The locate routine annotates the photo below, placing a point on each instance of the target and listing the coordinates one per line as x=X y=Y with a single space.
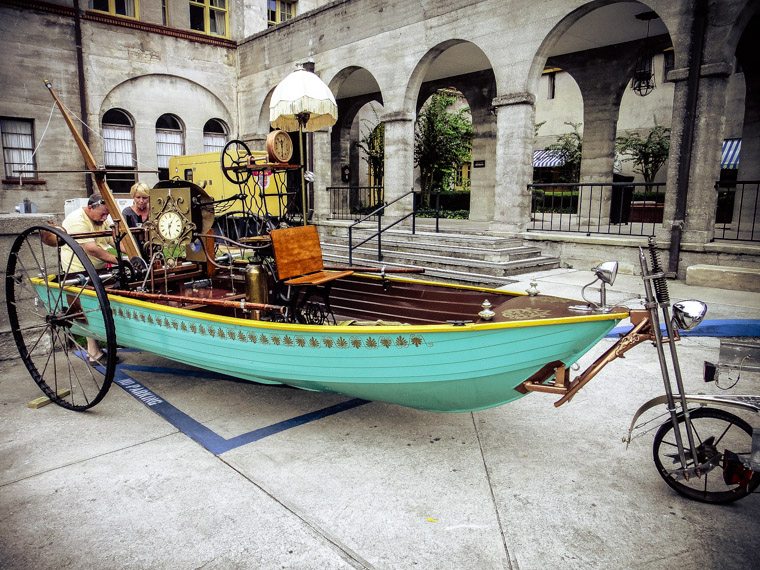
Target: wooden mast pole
x=128 y=242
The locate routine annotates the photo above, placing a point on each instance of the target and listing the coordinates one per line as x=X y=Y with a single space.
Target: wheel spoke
x=712 y=430
x=45 y=316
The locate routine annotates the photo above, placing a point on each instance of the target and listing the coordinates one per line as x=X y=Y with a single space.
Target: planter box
x=646 y=212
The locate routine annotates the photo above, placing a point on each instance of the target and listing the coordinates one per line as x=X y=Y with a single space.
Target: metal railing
x=617 y=208
x=378 y=214
x=436 y=210
x=737 y=215
x=351 y=202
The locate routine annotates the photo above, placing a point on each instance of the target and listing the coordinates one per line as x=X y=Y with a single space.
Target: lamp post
x=302 y=102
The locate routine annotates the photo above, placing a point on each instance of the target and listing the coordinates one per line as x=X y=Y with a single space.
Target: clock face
x=170 y=225
x=279 y=146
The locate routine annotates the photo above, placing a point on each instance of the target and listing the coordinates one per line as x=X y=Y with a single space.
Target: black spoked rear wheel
x=51 y=309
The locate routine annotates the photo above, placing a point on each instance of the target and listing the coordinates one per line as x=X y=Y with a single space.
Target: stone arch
x=355 y=88
x=463 y=65
x=263 y=124
x=602 y=73
x=147 y=97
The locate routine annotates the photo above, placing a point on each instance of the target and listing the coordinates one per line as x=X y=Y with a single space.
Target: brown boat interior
x=297 y=281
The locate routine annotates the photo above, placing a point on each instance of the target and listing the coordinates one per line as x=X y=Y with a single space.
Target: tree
x=649 y=154
x=442 y=141
x=372 y=144
x=569 y=147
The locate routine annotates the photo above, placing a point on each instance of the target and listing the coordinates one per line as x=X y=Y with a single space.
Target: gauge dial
x=279 y=146
x=170 y=225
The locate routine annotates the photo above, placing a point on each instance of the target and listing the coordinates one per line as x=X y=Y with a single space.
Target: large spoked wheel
x=52 y=308
x=715 y=431
x=234 y=159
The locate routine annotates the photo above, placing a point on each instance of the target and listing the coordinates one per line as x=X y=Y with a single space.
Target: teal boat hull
x=435 y=368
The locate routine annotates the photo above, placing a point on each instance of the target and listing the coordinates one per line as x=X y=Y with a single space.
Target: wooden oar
x=128 y=241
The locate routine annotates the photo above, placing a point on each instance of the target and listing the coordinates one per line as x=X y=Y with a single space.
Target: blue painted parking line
x=716 y=328
x=195 y=430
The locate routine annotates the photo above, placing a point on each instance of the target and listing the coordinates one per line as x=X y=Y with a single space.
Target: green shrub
x=446 y=214
x=658 y=197
x=557 y=201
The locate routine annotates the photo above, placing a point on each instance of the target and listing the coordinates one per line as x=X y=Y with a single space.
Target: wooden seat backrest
x=297 y=251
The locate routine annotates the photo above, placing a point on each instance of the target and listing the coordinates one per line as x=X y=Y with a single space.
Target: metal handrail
x=378 y=234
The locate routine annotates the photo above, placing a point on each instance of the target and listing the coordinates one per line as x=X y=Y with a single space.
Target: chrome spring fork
x=652 y=304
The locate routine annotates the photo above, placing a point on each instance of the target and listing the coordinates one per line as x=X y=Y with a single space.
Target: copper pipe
x=185 y=299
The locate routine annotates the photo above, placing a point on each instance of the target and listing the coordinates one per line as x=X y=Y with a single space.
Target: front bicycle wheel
x=52 y=310
x=715 y=433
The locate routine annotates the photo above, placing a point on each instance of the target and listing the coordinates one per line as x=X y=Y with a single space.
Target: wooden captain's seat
x=298 y=258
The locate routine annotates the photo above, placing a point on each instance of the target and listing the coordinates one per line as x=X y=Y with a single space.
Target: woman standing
x=137 y=214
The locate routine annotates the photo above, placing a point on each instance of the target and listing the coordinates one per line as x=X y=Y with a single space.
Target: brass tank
x=256 y=284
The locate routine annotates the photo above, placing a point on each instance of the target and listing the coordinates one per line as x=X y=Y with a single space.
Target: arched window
x=119 y=149
x=214 y=135
x=170 y=141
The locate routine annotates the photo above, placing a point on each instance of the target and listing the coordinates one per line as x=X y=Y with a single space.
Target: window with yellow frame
x=209 y=17
x=462 y=177
x=126 y=8
x=281 y=11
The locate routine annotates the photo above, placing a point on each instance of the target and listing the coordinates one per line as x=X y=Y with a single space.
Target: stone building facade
x=392 y=54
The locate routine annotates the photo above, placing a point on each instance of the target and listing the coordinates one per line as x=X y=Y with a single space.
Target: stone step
x=493 y=267
x=735 y=278
x=431 y=273
x=440 y=239
x=513 y=252
x=466 y=256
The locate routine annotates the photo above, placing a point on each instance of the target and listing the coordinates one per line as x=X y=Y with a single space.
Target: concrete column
x=749 y=58
x=600 y=115
x=747 y=200
x=399 y=160
x=510 y=201
x=704 y=169
x=482 y=177
x=322 y=174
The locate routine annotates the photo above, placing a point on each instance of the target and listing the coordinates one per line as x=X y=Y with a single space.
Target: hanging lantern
x=642 y=81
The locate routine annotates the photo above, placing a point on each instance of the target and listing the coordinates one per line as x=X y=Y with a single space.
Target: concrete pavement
x=238 y=475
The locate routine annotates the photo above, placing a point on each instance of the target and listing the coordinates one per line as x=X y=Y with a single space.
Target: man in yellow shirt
x=90 y=218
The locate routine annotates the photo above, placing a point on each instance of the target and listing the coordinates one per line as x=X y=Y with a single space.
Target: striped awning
x=547 y=158
x=731 y=150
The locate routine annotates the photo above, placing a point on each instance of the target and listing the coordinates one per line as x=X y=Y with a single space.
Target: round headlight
x=607 y=271
x=688 y=314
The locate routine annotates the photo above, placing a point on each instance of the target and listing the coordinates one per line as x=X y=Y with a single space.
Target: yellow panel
x=206 y=168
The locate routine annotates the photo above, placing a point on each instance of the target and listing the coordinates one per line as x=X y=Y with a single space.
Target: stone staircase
x=469 y=257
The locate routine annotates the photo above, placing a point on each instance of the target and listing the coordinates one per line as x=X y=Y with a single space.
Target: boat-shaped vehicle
x=374 y=336
x=264 y=308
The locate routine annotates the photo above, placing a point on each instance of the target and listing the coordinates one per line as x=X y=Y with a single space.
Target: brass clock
x=170 y=225
x=171 y=221
x=279 y=146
